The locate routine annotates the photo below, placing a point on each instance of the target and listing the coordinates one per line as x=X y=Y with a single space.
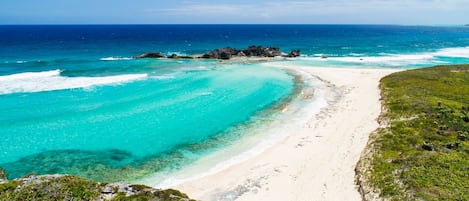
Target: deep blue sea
x=73 y=100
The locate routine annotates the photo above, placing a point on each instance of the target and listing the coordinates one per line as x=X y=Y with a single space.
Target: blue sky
x=433 y=12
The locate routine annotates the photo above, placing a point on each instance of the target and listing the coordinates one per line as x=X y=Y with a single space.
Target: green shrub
x=3 y=174
x=424 y=153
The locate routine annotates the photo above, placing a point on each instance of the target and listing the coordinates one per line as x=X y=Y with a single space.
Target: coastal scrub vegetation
x=65 y=187
x=3 y=174
x=422 y=151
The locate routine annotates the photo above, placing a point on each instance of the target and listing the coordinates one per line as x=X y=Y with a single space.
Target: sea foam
x=115 y=58
x=462 y=52
x=394 y=60
x=52 y=80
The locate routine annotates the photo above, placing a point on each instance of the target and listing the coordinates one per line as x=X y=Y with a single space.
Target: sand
x=317 y=160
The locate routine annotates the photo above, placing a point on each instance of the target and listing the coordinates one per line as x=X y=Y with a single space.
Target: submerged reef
x=65 y=187
x=227 y=53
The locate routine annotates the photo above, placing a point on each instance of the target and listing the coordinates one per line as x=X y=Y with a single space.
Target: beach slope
x=317 y=160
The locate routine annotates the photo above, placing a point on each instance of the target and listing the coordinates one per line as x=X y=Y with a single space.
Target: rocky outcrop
x=175 y=56
x=259 y=51
x=150 y=55
x=228 y=53
x=65 y=187
x=221 y=53
x=294 y=53
x=251 y=51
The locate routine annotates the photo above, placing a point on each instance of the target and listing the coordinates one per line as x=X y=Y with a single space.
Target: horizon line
x=139 y=24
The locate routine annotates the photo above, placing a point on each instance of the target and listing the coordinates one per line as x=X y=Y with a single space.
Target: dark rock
x=294 y=53
x=240 y=54
x=224 y=55
x=228 y=53
x=173 y=56
x=259 y=51
x=150 y=55
x=452 y=145
x=221 y=53
x=428 y=147
x=205 y=56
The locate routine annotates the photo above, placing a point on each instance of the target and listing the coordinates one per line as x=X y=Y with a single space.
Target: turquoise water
x=133 y=121
x=72 y=99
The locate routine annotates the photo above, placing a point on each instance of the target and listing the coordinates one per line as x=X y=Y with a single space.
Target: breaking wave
x=52 y=80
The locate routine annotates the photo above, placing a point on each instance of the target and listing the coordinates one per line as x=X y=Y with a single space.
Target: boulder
x=293 y=53
x=150 y=55
x=240 y=54
x=260 y=51
x=173 y=56
x=228 y=53
x=221 y=53
x=224 y=55
x=428 y=147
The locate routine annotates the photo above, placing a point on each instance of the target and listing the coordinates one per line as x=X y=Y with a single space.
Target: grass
x=75 y=188
x=62 y=188
x=423 y=153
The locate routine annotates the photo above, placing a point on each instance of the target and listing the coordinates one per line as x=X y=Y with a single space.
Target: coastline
x=316 y=160
x=257 y=135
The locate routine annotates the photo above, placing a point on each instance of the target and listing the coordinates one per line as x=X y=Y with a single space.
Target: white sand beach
x=317 y=160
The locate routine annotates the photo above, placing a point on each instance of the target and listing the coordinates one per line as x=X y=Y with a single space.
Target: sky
x=406 y=12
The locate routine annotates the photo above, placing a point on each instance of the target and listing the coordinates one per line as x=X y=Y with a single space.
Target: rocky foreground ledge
x=227 y=53
x=66 y=187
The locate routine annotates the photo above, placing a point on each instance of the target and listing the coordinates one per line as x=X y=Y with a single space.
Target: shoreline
x=316 y=160
x=257 y=136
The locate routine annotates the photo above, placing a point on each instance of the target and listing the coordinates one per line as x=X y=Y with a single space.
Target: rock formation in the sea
x=65 y=187
x=175 y=56
x=221 y=53
x=251 y=51
x=150 y=55
x=294 y=53
x=259 y=51
x=228 y=53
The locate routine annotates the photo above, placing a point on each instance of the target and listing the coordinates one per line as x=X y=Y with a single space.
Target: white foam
x=205 y=93
x=197 y=68
x=52 y=80
x=162 y=77
x=177 y=53
x=259 y=139
x=389 y=59
x=115 y=58
x=453 y=52
x=356 y=54
x=395 y=59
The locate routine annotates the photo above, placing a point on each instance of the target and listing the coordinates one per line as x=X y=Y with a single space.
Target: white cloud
x=204 y=9
x=323 y=11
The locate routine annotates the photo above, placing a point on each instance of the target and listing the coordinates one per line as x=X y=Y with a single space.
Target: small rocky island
x=227 y=53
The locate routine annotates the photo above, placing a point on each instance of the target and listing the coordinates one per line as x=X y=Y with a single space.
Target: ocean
x=73 y=100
